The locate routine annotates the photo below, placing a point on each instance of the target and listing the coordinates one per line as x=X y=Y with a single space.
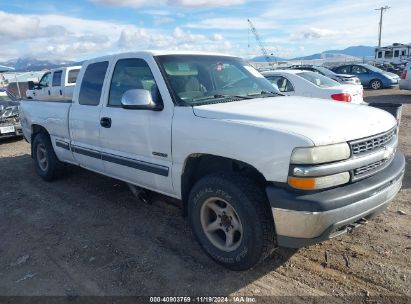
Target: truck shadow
x=395 y=98
x=406 y=183
x=98 y=239
x=8 y=140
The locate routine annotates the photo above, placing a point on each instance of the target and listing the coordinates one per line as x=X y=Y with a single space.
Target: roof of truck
x=159 y=53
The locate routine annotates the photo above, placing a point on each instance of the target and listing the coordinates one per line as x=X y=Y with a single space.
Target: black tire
x=249 y=201
x=54 y=168
x=376 y=84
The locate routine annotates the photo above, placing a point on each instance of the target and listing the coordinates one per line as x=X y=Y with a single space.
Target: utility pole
x=381 y=9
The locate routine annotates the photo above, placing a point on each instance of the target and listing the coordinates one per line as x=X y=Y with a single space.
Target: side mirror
x=139 y=99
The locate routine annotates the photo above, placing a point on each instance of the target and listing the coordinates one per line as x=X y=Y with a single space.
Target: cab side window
x=57 y=78
x=45 y=80
x=92 y=83
x=356 y=69
x=131 y=74
x=344 y=70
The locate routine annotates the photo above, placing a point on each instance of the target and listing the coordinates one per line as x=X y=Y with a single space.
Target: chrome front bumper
x=304 y=219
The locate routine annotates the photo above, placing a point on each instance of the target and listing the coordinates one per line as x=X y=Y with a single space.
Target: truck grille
x=370 y=168
x=369 y=144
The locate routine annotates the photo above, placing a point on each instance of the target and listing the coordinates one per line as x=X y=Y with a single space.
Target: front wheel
x=231 y=220
x=376 y=84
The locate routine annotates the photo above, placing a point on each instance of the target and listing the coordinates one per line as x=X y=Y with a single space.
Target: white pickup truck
x=56 y=84
x=254 y=170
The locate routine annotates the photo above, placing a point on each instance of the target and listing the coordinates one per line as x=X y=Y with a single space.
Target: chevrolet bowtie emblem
x=388 y=151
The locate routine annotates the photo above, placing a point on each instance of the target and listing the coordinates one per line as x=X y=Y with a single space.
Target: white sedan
x=310 y=84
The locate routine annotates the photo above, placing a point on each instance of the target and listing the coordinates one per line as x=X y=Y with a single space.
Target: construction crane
x=257 y=37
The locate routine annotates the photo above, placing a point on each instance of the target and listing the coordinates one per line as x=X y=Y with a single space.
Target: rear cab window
x=72 y=76
x=92 y=83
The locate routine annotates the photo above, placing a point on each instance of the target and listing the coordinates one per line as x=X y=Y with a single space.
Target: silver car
x=405 y=81
x=341 y=78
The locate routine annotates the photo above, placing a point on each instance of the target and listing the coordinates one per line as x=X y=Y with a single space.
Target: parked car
x=56 y=84
x=405 y=81
x=9 y=116
x=389 y=67
x=341 y=78
x=370 y=76
x=253 y=169
x=311 y=84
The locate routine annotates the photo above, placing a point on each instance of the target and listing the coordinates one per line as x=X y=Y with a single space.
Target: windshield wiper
x=219 y=98
x=264 y=93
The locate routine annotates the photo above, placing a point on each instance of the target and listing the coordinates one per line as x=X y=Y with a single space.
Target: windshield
x=201 y=79
x=318 y=79
x=5 y=100
x=373 y=68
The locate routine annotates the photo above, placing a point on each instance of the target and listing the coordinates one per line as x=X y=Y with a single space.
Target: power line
x=381 y=9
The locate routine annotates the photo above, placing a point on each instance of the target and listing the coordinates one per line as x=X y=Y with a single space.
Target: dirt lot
x=86 y=234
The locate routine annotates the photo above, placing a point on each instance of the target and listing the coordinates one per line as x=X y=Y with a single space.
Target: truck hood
x=322 y=121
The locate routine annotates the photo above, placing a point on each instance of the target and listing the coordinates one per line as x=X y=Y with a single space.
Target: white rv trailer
x=396 y=53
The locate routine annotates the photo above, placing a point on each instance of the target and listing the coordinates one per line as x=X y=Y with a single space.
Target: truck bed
x=53 y=115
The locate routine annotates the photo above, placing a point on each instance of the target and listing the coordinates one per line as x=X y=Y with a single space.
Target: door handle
x=105 y=122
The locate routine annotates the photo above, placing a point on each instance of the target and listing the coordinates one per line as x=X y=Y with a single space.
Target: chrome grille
x=369 y=144
x=361 y=171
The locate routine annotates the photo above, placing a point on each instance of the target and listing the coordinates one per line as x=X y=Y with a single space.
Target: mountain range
x=349 y=52
x=33 y=64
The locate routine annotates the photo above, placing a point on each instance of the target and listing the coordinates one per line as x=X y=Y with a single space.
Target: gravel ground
x=86 y=234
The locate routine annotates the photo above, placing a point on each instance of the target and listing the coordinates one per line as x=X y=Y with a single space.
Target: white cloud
x=315 y=33
x=132 y=39
x=218 y=37
x=233 y=23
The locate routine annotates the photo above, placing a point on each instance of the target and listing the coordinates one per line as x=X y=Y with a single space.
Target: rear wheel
x=376 y=84
x=231 y=220
x=47 y=165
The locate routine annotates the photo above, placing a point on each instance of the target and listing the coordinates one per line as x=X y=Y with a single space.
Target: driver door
x=43 y=90
x=361 y=73
x=136 y=144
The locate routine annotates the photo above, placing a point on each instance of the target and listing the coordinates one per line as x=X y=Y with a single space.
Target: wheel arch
x=35 y=130
x=376 y=79
x=199 y=165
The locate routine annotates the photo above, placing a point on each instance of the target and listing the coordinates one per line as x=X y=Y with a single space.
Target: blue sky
x=81 y=29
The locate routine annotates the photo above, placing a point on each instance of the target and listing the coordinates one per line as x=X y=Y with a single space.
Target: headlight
x=315 y=183
x=320 y=154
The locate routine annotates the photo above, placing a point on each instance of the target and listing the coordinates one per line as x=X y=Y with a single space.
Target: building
x=396 y=53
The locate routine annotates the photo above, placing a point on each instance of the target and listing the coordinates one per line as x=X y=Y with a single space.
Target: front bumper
x=405 y=84
x=305 y=219
x=391 y=82
x=17 y=130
